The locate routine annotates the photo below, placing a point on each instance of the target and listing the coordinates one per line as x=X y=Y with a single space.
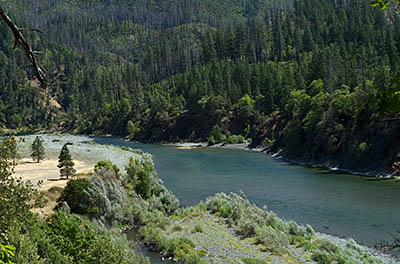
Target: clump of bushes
x=276 y=234
x=107 y=164
x=106 y=196
x=217 y=136
x=235 y=139
x=68 y=239
x=181 y=248
x=75 y=196
x=197 y=229
x=142 y=178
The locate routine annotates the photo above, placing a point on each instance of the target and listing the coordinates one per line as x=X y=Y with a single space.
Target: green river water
x=344 y=205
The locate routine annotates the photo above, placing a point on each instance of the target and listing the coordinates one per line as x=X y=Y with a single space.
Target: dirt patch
x=47 y=172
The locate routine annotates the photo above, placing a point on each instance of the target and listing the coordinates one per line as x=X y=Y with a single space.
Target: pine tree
x=65 y=163
x=37 y=150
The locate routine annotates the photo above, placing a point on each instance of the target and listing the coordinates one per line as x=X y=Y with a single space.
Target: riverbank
x=47 y=172
x=384 y=175
x=82 y=148
x=327 y=164
x=279 y=156
x=85 y=143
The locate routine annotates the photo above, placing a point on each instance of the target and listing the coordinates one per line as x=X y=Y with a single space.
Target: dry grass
x=47 y=172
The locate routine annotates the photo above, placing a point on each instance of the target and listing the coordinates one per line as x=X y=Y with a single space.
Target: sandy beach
x=47 y=172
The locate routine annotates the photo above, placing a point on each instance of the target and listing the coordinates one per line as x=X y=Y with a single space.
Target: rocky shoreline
x=382 y=174
x=327 y=166
x=81 y=143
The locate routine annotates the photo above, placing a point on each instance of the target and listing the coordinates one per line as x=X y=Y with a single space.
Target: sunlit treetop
x=383 y=4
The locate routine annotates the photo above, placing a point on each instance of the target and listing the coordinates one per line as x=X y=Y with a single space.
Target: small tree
x=65 y=163
x=37 y=149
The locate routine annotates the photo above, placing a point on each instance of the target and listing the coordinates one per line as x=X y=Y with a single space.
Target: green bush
x=107 y=197
x=182 y=249
x=107 y=164
x=143 y=180
x=253 y=261
x=75 y=196
x=220 y=206
x=327 y=246
x=235 y=139
x=276 y=240
x=217 y=135
x=78 y=239
x=197 y=229
x=211 y=141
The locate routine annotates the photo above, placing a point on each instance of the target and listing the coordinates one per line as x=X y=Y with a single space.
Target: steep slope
x=204 y=70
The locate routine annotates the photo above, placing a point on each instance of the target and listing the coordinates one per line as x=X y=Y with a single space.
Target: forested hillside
x=307 y=78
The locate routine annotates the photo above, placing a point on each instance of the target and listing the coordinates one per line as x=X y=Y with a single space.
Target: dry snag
x=19 y=39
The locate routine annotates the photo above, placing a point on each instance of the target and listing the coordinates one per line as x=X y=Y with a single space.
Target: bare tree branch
x=19 y=39
x=30 y=29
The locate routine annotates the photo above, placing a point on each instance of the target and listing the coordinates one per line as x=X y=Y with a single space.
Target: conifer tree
x=65 y=163
x=37 y=150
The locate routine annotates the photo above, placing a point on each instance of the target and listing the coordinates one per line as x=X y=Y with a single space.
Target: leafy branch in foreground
x=16 y=195
x=383 y=4
x=6 y=254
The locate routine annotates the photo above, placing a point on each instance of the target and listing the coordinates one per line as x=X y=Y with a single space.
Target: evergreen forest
x=313 y=80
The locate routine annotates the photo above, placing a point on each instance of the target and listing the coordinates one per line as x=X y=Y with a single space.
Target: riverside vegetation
x=311 y=80
x=91 y=211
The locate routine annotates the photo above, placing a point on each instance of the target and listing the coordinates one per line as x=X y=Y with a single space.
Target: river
x=343 y=205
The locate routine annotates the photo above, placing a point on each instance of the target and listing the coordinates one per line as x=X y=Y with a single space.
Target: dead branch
x=30 y=29
x=19 y=39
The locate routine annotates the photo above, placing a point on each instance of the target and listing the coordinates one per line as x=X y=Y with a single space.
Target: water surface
x=335 y=203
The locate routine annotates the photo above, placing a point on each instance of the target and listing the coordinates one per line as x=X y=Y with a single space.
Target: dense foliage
x=63 y=238
x=311 y=79
x=76 y=198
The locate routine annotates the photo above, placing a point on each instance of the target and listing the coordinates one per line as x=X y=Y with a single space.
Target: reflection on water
x=335 y=203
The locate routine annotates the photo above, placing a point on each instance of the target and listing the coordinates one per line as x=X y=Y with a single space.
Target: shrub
x=107 y=164
x=326 y=245
x=253 y=261
x=235 y=139
x=139 y=212
x=75 y=196
x=139 y=175
x=197 y=229
x=142 y=178
x=321 y=256
x=154 y=237
x=274 y=239
x=211 y=141
x=177 y=229
x=182 y=249
x=81 y=241
x=106 y=196
x=216 y=134
x=220 y=206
